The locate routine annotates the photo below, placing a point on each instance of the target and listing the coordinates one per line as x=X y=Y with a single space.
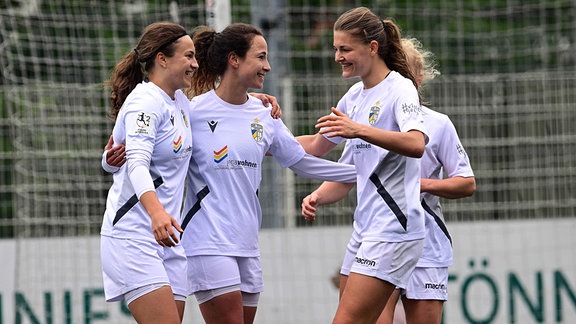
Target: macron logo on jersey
x=212 y=124
x=220 y=155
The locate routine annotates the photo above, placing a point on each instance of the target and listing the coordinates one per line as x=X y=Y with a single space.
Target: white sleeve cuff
x=107 y=167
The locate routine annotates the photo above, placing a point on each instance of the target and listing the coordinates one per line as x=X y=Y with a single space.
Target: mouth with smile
x=346 y=66
x=189 y=74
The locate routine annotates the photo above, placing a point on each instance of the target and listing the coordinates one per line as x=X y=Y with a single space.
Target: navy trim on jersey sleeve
x=132 y=202
x=389 y=201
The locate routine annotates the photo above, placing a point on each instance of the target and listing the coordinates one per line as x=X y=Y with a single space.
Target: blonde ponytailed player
x=427 y=289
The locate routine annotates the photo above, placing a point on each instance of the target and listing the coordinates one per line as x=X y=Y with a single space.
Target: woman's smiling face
x=353 y=55
x=254 y=66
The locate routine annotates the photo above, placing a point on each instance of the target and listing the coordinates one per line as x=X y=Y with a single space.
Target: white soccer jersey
x=157 y=134
x=388 y=185
x=222 y=214
x=444 y=154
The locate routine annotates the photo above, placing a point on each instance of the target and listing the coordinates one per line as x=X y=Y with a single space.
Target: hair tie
x=137 y=54
x=170 y=41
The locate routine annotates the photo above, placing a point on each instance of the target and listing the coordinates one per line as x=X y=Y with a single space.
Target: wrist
x=362 y=132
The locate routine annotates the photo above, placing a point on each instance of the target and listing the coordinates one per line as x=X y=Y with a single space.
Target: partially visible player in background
x=142 y=260
x=232 y=132
x=427 y=289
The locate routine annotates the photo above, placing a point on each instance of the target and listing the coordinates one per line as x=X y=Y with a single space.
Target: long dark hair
x=135 y=65
x=212 y=50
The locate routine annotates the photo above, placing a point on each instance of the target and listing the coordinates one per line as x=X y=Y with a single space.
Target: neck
x=162 y=85
x=377 y=75
x=232 y=94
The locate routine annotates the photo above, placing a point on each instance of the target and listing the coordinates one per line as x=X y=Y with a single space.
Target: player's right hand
x=163 y=228
x=309 y=205
x=115 y=156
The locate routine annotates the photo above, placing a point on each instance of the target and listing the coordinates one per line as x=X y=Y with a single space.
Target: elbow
x=419 y=145
x=418 y=148
x=470 y=188
x=416 y=152
x=419 y=152
x=465 y=188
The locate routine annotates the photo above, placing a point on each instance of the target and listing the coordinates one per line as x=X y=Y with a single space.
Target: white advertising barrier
x=504 y=272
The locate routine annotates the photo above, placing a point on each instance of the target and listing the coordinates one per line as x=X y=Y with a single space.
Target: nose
x=267 y=66
x=194 y=64
x=338 y=57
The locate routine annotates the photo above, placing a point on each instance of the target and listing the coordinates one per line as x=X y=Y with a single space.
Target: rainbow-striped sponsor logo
x=178 y=144
x=220 y=155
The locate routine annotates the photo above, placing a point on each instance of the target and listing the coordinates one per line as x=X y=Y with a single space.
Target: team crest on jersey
x=184 y=118
x=257 y=130
x=374 y=113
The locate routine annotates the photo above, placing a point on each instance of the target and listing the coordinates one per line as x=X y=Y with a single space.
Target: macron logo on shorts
x=436 y=286
x=370 y=263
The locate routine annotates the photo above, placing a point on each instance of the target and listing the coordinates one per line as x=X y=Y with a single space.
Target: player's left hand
x=268 y=100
